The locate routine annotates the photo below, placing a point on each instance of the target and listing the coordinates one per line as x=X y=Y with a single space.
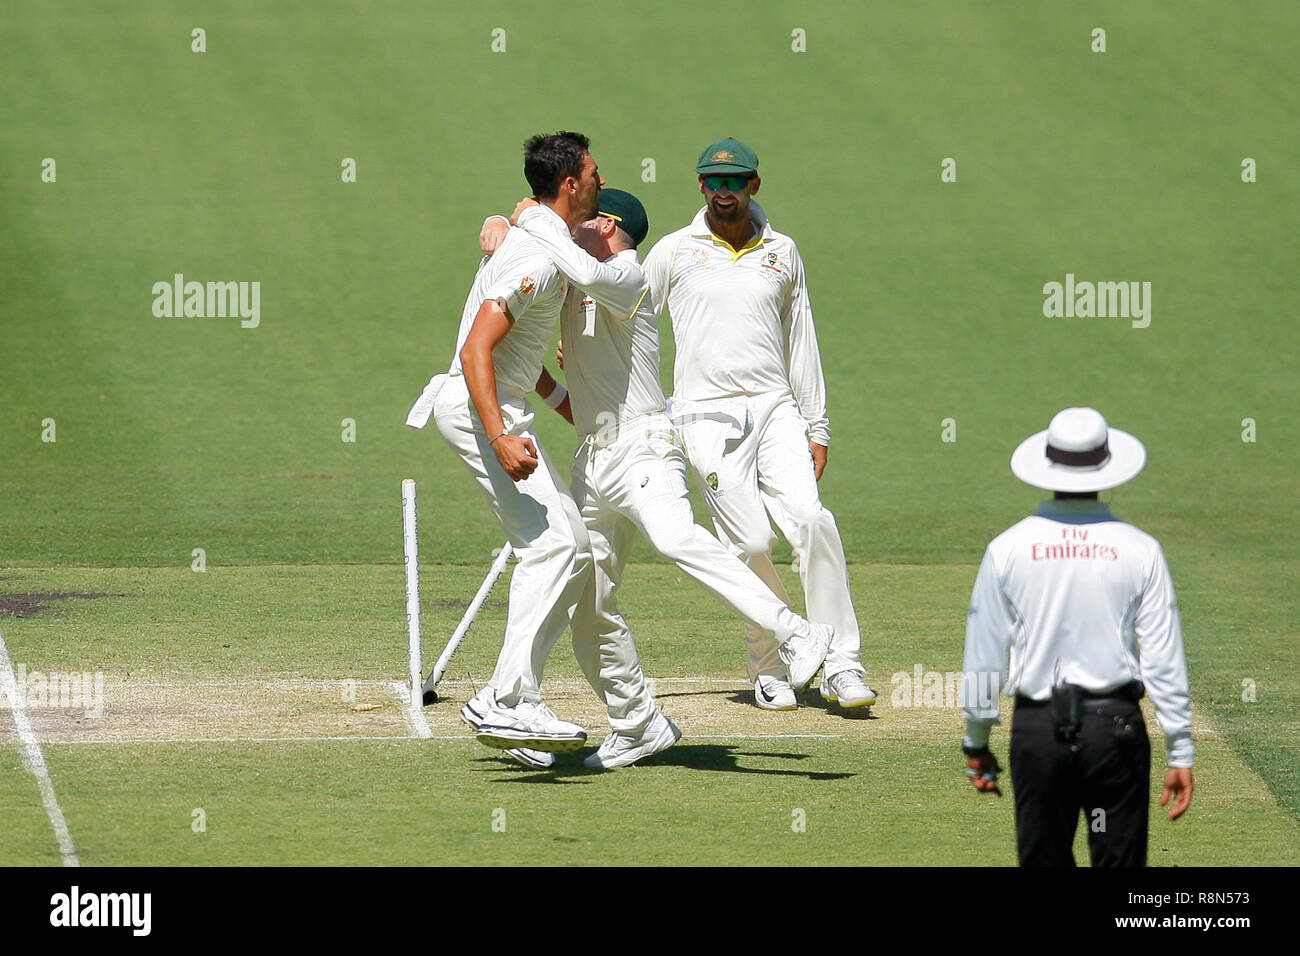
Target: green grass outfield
x=198 y=714
x=184 y=433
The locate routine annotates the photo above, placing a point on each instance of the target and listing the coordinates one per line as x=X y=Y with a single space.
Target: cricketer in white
x=749 y=401
x=537 y=514
x=481 y=410
x=630 y=472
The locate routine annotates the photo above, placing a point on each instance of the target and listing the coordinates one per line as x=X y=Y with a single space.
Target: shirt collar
x=1075 y=510
x=544 y=210
x=629 y=254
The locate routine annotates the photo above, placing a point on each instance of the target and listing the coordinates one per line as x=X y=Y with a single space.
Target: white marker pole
x=411 y=548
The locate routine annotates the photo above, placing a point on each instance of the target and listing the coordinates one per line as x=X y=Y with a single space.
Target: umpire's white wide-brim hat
x=1078 y=452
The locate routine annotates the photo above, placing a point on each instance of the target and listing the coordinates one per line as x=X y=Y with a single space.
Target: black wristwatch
x=976 y=751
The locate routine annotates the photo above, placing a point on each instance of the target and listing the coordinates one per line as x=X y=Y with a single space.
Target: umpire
x=1085 y=605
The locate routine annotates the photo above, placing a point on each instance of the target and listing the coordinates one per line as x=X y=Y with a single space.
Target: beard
x=729 y=213
x=591 y=206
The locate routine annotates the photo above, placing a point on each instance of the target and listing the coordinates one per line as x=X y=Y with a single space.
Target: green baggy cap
x=626 y=210
x=727 y=156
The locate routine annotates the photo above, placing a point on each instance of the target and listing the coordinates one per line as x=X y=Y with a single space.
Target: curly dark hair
x=549 y=159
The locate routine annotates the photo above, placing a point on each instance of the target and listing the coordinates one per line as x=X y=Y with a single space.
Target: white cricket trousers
x=741 y=463
x=542 y=524
x=638 y=482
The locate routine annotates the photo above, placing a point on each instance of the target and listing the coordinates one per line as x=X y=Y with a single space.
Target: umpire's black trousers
x=1105 y=773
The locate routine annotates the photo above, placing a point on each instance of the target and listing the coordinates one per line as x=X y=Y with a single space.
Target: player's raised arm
x=615 y=283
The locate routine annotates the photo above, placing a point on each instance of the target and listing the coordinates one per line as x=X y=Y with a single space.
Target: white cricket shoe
x=476 y=709
x=849 y=689
x=803 y=654
x=537 y=759
x=531 y=725
x=772 y=693
x=620 y=750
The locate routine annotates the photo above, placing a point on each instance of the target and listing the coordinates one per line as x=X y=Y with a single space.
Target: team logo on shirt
x=770 y=262
x=701 y=257
x=712 y=479
x=526 y=285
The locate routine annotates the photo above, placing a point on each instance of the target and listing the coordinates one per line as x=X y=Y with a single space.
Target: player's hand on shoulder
x=525 y=203
x=518 y=456
x=492 y=234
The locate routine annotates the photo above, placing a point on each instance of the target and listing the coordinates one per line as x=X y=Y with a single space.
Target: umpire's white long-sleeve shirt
x=1076 y=596
x=741 y=318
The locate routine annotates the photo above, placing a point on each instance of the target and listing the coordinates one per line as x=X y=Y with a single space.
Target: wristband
x=975 y=751
x=557 y=396
x=504 y=433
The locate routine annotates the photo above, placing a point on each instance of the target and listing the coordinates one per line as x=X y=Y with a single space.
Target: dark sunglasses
x=730 y=183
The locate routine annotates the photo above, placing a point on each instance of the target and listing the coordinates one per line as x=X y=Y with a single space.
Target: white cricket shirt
x=1080 y=597
x=611 y=340
x=741 y=318
x=520 y=273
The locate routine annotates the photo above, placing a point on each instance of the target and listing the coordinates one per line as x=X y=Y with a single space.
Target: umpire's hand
x=983 y=772
x=1178 y=783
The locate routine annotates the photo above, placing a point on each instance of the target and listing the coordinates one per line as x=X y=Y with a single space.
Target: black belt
x=1129 y=693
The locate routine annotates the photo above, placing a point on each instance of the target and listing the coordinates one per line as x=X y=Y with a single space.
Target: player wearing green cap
x=750 y=402
x=630 y=473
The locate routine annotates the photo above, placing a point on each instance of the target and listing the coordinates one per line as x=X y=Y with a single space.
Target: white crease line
x=334 y=682
x=34 y=760
x=414 y=714
x=762 y=736
x=578 y=682
x=221 y=740
x=262 y=682
x=309 y=740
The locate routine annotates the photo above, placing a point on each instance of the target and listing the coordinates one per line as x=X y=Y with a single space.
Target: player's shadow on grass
x=724 y=758
x=810 y=698
x=515 y=772
x=720 y=758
